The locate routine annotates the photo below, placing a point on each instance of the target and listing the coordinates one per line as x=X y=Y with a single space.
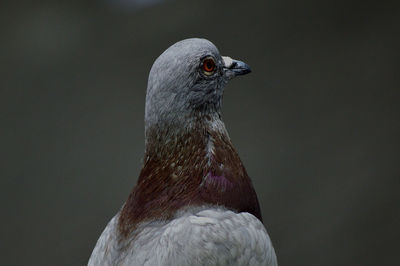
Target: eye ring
x=208 y=66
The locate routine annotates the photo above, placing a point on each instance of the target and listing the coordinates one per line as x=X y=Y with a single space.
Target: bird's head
x=188 y=79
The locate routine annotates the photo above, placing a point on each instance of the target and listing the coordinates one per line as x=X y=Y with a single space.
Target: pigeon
x=194 y=203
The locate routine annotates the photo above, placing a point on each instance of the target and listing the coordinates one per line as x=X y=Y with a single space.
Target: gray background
x=316 y=123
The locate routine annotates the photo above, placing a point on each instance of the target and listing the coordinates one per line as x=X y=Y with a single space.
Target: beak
x=235 y=68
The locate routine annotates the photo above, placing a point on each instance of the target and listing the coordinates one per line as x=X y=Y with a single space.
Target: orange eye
x=208 y=66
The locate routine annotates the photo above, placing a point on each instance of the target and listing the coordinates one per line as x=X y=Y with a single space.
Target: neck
x=193 y=166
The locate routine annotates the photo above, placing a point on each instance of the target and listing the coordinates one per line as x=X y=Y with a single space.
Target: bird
x=193 y=203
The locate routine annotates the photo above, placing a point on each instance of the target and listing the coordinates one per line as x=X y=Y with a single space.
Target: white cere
x=227 y=61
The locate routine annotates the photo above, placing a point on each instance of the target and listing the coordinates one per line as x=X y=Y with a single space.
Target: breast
x=196 y=236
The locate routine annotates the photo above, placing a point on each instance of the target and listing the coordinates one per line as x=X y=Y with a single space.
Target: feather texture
x=196 y=236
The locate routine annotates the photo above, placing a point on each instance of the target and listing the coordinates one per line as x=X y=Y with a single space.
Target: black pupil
x=209 y=65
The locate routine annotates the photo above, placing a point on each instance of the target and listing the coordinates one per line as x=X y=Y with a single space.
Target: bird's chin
x=229 y=74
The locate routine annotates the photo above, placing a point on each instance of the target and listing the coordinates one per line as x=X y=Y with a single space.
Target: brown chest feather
x=191 y=170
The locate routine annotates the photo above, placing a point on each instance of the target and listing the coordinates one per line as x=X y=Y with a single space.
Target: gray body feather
x=200 y=236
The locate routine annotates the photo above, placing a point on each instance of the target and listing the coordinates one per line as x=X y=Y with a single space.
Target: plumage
x=193 y=203
x=198 y=236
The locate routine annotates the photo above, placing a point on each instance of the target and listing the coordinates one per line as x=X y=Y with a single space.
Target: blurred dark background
x=317 y=123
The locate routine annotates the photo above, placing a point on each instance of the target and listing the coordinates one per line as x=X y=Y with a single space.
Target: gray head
x=186 y=81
